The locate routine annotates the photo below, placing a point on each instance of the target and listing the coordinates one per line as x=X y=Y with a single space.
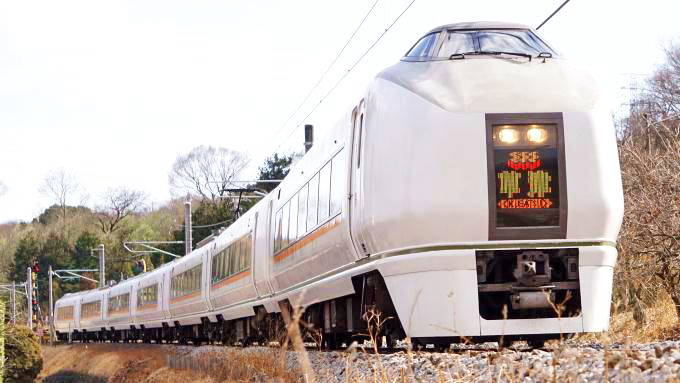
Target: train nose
x=492 y=84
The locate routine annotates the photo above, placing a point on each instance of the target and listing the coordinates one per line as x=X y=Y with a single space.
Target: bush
x=22 y=350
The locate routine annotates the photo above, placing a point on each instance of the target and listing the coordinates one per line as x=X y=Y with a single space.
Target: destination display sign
x=526 y=176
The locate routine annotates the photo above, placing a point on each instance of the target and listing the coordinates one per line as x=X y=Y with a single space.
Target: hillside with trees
x=66 y=234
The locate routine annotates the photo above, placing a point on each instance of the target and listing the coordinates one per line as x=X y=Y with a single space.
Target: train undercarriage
x=331 y=324
x=370 y=312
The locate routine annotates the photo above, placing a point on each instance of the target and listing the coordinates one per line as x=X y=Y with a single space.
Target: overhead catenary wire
x=347 y=73
x=316 y=85
x=204 y=226
x=552 y=14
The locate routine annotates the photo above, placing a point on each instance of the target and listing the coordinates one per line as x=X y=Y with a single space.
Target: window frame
x=335 y=160
x=530 y=232
x=431 y=50
x=444 y=31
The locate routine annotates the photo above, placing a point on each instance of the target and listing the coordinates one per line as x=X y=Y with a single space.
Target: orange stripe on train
x=231 y=279
x=309 y=238
x=185 y=297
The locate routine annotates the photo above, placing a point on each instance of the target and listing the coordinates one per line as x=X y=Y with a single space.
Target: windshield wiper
x=458 y=56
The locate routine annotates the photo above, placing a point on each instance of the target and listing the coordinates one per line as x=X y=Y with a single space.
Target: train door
x=207 y=275
x=262 y=260
x=356 y=180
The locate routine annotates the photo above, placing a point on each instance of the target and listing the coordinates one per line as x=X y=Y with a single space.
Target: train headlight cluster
x=523 y=135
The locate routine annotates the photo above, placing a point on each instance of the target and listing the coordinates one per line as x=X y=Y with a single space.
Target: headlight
x=536 y=135
x=508 y=135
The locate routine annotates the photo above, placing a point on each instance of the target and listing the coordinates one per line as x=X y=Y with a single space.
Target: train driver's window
x=424 y=46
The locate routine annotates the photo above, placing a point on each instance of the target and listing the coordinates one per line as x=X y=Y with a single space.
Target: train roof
x=481 y=25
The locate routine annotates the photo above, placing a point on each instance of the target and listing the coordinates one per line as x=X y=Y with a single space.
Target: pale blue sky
x=112 y=91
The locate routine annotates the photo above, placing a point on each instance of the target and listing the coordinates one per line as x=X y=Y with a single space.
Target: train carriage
x=231 y=259
x=148 y=304
x=118 y=309
x=473 y=191
x=185 y=288
x=65 y=313
x=91 y=321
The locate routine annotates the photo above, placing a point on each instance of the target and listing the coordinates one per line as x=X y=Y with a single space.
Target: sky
x=113 y=91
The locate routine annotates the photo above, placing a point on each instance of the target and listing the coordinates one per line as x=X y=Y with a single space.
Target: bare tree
x=649 y=150
x=117 y=205
x=61 y=187
x=207 y=171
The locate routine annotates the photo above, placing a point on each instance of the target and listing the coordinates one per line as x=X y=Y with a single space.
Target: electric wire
x=552 y=14
x=327 y=69
x=204 y=226
x=347 y=73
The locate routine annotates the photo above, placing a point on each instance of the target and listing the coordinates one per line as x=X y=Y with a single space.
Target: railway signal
x=35 y=269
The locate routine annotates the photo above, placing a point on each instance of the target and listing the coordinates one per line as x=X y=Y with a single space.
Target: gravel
x=570 y=362
x=653 y=362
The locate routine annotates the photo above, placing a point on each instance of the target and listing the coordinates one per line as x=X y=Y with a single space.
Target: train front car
x=490 y=188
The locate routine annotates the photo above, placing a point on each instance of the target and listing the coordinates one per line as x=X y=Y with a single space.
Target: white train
x=474 y=191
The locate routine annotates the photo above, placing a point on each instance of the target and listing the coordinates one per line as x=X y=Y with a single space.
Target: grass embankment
x=661 y=323
x=118 y=363
x=144 y=363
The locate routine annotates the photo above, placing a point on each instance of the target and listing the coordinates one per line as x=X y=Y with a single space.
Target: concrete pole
x=29 y=298
x=102 y=266
x=14 y=303
x=51 y=310
x=187 y=226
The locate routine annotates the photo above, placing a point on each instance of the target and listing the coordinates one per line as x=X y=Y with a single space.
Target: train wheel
x=504 y=342
x=536 y=342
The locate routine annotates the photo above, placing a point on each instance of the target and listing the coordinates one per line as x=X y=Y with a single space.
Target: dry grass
x=661 y=324
x=240 y=366
x=146 y=363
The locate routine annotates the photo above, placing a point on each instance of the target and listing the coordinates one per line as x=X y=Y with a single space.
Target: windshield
x=493 y=40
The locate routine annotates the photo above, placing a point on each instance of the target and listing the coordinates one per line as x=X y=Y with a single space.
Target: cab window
x=423 y=46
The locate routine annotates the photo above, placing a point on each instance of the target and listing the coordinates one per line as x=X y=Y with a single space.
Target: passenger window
x=313 y=200
x=324 y=192
x=284 y=224
x=250 y=250
x=360 y=138
x=277 y=231
x=302 y=212
x=293 y=219
x=337 y=182
x=242 y=255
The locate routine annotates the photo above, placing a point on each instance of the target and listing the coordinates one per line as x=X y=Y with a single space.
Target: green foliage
x=207 y=213
x=274 y=168
x=83 y=246
x=28 y=249
x=53 y=213
x=22 y=353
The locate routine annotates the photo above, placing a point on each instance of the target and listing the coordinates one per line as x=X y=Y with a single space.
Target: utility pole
x=14 y=303
x=51 y=310
x=29 y=296
x=187 y=226
x=102 y=266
